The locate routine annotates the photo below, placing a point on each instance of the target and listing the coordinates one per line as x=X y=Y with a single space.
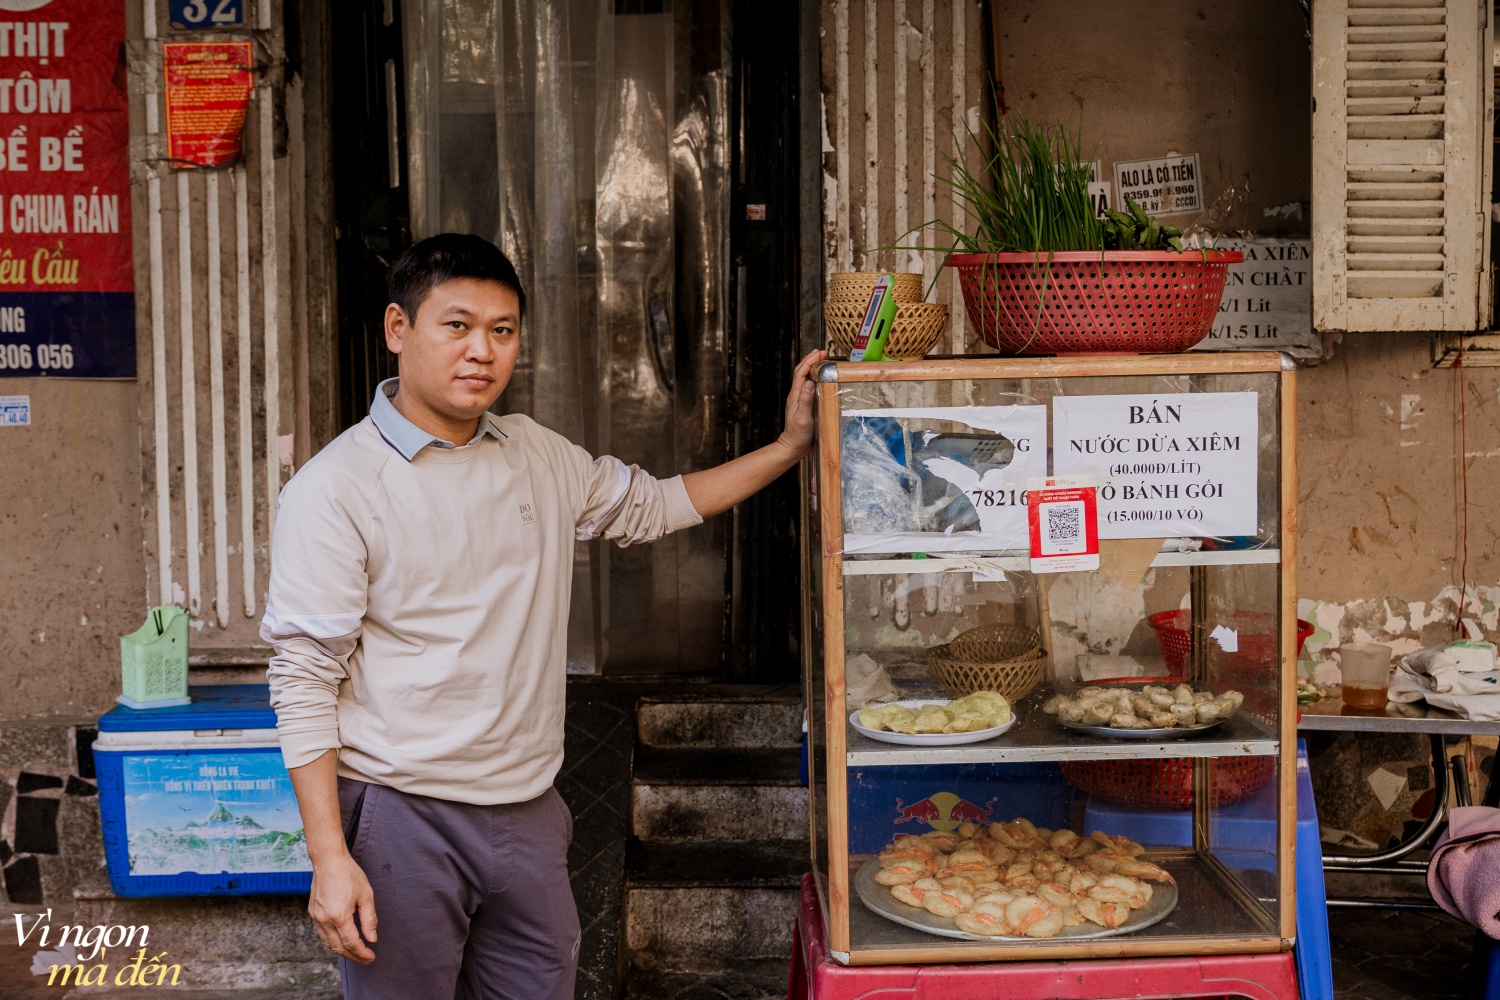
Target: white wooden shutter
x=1401 y=135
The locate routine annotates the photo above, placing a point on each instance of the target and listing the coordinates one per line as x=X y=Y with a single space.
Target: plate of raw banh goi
x=929 y=723
x=1147 y=712
x=1017 y=881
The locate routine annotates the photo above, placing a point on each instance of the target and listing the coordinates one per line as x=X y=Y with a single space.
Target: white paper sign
x=998 y=496
x=1175 y=465
x=1101 y=191
x=1167 y=185
x=15 y=411
x=1267 y=303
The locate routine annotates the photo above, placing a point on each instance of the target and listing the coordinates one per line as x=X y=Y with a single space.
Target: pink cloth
x=1464 y=874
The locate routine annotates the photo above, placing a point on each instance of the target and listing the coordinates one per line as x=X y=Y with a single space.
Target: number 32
x=197 y=10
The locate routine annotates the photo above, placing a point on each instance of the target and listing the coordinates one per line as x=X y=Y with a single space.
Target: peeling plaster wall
x=1380 y=491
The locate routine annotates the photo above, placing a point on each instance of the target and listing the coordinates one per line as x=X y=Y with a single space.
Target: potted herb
x=1042 y=274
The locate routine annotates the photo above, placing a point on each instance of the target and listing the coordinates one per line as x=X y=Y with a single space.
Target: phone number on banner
x=79 y=334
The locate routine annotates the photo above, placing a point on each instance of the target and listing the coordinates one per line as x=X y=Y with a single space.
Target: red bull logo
x=943 y=811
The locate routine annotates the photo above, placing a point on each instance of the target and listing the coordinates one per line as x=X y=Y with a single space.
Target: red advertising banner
x=208 y=91
x=67 y=304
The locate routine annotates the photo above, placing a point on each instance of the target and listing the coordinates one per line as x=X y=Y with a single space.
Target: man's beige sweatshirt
x=419 y=606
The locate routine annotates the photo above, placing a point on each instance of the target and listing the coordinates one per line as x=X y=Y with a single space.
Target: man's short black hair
x=447 y=256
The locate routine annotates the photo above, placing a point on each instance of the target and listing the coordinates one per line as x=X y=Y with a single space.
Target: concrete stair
x=719 y=842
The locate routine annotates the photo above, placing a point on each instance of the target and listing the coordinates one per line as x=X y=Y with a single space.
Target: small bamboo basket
x=856 y=286
x=1004 y=657
x=917 y=328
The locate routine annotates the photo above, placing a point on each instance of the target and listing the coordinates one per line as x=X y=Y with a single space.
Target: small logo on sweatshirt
x=527 y=515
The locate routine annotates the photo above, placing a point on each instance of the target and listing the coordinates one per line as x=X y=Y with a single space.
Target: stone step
x=693 y=906
x=735 y=795
x=767 y=864
x=696 y=929
x=746 y=979
x=747 y=718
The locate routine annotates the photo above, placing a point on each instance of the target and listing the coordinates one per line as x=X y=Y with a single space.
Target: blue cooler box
x=195 y=799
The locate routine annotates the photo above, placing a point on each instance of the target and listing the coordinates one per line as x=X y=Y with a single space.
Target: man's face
x=458 y=352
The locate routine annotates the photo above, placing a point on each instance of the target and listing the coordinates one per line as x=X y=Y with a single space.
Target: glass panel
x=927 y=428
x=1243 y=826
x=1176 y=631
x=905 y=811
x=587 y=138
x=934 y=479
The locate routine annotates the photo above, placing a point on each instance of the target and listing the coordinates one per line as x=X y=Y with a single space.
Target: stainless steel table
x=1332 y=715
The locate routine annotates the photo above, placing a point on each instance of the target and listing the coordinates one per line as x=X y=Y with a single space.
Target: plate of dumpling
x=1016 y=881
x=1148 y=712
x=921 y=722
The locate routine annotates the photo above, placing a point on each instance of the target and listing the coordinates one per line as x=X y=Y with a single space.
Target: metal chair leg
x=1337 y=862
x=1460 y=767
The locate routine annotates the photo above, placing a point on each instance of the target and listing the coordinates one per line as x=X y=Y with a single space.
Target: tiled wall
x=48 y=811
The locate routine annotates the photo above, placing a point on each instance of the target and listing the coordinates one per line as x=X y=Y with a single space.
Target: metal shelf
x=1036 y=737
x=1015 y=562
x=1330 y=715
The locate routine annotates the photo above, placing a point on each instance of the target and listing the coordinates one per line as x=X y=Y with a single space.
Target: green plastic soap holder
x=154 y=661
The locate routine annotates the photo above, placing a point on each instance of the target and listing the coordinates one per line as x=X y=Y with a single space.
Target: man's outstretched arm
x=715 y=490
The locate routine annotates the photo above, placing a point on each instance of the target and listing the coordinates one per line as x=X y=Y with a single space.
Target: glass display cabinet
x=1109 y=542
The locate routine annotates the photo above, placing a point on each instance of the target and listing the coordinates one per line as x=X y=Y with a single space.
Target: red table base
x=816 y=976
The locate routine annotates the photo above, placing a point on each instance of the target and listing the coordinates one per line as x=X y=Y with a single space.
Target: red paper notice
x=1064 y=523
x=208 y=90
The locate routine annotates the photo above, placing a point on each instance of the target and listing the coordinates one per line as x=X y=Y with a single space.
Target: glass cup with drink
x=1366 y=667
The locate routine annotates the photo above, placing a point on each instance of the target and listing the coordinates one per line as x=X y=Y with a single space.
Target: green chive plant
x=1031 y=195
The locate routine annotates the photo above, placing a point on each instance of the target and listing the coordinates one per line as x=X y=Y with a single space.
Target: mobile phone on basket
x=869 y=345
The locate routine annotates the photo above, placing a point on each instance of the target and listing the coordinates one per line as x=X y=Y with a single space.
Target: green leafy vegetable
x=1138 y=231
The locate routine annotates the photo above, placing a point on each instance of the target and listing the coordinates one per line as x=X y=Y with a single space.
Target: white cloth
x=1429 y=675
x=866 y=681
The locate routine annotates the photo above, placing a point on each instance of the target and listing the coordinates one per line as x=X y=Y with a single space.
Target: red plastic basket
x=1167 y=782
x=1088 y=302
x=1257 y=636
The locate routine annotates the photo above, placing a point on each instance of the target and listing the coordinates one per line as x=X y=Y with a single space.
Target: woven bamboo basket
x=1004 y=658
x=856 y=286
x=917 y=328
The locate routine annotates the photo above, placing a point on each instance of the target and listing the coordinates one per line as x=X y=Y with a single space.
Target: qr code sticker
x=1063 y=524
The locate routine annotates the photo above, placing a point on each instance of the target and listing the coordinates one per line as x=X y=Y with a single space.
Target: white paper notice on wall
x=1175 y=465
x=993 y=494
x=1101 y=191
x=15 y=411
x=1167 y=185
x=1267 y=303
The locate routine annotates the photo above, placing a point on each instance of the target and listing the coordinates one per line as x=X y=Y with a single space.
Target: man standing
x=420 y=577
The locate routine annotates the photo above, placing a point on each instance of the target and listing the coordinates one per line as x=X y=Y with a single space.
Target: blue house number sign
x=200 y=14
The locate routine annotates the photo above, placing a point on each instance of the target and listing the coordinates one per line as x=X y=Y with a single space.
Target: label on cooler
x=211 y=812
